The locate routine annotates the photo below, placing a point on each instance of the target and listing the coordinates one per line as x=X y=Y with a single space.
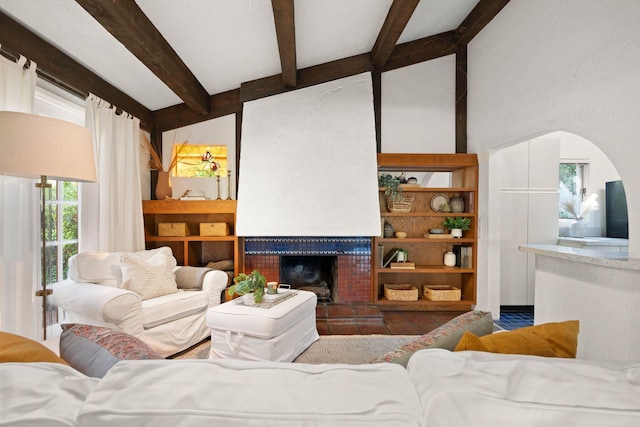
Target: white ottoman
x=279 y=333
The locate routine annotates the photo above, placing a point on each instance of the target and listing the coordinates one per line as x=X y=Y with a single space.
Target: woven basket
x=401 y=292
x=441 y=293
x=400 y=204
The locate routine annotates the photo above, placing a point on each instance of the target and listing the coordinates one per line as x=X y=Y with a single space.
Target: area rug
x=349 y=349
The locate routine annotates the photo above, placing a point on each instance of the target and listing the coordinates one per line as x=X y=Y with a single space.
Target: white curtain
x=20 y=311
x=111 y=213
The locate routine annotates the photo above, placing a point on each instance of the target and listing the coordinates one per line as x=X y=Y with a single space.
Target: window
x=61 y=220
x=192 y=160
x=62 y=229
x=572 y=185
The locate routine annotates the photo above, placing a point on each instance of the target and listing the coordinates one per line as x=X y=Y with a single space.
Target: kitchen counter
x=601 y=289
x=589 y=256
x=607 y=244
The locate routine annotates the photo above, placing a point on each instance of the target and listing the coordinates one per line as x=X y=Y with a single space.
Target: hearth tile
x=339 y=310
x=323 y=328
x=343 y=329
x=394 y=317
x=373 y=329
x=402 y=329
x=426 y=327
x=366 y=310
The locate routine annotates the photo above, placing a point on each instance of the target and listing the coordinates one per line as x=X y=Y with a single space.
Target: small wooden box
x=216 y=229
x=441 y=293
x=401 y=292
x=172 y=229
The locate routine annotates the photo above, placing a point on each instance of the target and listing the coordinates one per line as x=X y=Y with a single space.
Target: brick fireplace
x=349 y=278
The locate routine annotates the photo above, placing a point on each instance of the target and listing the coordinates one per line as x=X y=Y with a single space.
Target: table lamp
x=33 y=146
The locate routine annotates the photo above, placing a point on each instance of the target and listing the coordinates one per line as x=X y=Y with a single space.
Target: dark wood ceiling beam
x=180 y=115
x=285 y=31
x=421 y=50
x=397 y=18
x=58 y=67
x=127 y=23
x=310 y=76
x=478 y=18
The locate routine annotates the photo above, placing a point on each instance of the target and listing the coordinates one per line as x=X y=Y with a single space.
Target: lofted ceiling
x=173 y=63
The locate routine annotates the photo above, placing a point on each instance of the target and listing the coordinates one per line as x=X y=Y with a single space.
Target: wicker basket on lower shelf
x=401 y=292
x=400 y=204
x=441 y=293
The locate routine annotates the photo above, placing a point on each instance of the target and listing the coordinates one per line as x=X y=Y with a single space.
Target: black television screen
x=616 y=205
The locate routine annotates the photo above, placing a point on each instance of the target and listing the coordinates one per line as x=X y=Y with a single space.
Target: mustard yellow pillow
x=559 y=339
x=14 y=348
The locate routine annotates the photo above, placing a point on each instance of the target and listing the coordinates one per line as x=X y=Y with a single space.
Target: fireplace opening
x=310 y=273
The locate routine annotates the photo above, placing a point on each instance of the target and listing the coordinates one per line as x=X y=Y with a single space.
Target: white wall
x=553 y=65
x=220 y=131
x=418 y=108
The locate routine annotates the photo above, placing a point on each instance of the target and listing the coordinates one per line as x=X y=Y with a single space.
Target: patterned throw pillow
x=446 y=336
x=151 y=277
x=93 y=350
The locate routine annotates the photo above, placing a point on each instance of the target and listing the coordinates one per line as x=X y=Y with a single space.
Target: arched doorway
x=525 y=198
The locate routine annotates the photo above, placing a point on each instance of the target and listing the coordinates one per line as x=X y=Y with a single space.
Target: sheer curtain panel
x=19 y=218
x=111 y=211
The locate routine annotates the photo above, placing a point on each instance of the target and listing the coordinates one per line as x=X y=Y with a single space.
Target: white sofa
x=438 y=388
x=100 y=292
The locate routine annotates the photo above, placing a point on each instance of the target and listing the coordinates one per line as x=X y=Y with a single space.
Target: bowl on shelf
x=401 y=234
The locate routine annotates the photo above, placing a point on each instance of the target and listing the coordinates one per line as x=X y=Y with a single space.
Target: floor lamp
x=34 y=146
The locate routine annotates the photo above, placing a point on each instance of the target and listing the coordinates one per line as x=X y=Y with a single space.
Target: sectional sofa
x=438 y=388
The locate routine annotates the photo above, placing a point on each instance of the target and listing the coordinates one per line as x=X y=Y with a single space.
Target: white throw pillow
x=151 y=277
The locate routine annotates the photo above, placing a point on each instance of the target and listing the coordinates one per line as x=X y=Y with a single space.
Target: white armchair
x=138 y=293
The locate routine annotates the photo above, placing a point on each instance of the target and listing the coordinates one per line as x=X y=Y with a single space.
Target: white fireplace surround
x=308 y=163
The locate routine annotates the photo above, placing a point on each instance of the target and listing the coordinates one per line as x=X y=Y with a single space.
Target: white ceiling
x=225 y=42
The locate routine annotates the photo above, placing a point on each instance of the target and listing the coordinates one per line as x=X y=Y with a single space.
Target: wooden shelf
x=427 y=253
x=193 y=249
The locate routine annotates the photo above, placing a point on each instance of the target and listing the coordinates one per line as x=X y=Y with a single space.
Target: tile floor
x=367 y=319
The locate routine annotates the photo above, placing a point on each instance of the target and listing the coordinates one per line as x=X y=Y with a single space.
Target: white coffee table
x=279 y=333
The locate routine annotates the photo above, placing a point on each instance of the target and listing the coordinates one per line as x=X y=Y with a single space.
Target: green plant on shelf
x=391 y=186
x=457 y=222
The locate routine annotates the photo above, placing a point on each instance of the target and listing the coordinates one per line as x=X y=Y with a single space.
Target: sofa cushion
x=250 y=393
x=503 y=390
x=558 y=339
x=445 y=336
x=41 y=394
x=167 y=308
x=15 y=348
x=149 y=277
x=93 y=350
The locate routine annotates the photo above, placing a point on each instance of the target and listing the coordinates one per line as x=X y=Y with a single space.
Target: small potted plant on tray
x=456 y=225
x=251 y=286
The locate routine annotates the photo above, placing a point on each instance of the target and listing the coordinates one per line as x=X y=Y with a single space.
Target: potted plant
x=391 y=186
x=396 y=202
x=456 y=224
x=251 y=284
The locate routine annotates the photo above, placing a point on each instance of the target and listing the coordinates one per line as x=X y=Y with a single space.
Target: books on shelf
x=404 y=265
x=464 y=256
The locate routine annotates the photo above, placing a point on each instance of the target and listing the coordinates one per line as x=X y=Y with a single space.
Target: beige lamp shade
x=33 y=146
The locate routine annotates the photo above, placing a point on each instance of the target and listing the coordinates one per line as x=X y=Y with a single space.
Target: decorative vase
x=457 y=204
x=456 y=233
x=450 y=259
x=163 y=185
x=388 y=230
x=578 y=228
